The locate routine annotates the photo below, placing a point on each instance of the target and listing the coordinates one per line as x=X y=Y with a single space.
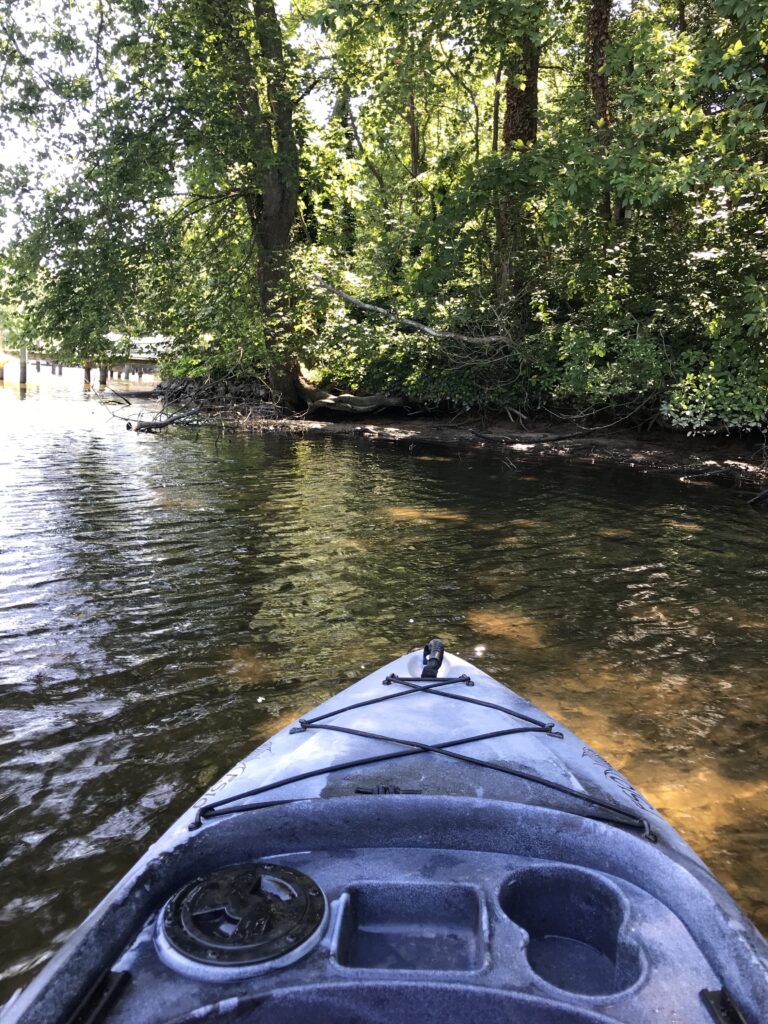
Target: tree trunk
x=521 y=93
x=597 y=36
x=496 y=108
x=273 y=212
x=521 y=110
x=272 y=200
x=286 y=384
x=414 y=137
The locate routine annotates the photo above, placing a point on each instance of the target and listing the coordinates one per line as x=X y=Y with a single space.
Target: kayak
x=424 y=846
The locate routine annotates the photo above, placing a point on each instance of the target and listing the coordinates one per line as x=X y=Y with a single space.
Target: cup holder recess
x=574 y=921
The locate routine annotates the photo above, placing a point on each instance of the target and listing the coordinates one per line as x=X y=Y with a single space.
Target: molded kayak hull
x=414 y=849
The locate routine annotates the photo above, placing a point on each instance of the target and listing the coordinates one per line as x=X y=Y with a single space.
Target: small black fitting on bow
x=433 y=659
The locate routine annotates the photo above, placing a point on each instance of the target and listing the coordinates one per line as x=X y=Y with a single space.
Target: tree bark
x=271 y=200
x=597 y=34
x=496 y=108
x=520 y=128
x=521 y=94
x=414 y=137
x=272 y=211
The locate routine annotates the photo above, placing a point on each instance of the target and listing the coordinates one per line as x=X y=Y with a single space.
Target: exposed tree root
x=355 y=405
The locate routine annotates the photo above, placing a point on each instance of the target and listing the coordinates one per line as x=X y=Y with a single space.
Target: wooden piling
x=23 y=366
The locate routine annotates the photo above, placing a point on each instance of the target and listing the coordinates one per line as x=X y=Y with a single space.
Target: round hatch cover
x=248 y=914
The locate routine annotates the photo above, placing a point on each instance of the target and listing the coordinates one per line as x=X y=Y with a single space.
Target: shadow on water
x=168 y=602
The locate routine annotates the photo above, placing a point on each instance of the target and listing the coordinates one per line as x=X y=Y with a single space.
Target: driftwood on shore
x=197 y=403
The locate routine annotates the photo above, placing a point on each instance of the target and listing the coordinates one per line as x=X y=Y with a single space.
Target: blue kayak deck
x=458 y=897
x=477 y=862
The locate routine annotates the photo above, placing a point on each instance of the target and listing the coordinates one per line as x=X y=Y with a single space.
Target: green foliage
x=635 y=244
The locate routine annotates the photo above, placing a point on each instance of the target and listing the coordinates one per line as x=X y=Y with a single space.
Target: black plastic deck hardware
x=720 y=1005
x=384 y=790
x=433 y=659
x=243 y=914
x=99 y=997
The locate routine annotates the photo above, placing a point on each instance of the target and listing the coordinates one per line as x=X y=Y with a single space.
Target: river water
x=168 y=601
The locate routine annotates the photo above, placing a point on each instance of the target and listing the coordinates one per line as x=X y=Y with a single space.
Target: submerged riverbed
x=168 y=601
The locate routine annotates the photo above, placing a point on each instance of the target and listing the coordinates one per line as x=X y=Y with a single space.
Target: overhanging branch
x=404 y=321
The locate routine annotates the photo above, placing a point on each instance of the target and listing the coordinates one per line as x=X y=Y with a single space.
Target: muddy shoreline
x=723 y=461
x=740 y=462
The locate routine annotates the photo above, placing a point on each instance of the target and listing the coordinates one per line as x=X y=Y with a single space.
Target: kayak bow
x=425 y=845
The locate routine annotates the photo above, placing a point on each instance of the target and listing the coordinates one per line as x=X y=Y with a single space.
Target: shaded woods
x=511 y=204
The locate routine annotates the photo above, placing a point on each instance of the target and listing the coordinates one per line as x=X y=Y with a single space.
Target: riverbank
x=722 y=461
x=238 y=405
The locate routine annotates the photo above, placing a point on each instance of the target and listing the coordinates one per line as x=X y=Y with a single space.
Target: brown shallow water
x=166 y=602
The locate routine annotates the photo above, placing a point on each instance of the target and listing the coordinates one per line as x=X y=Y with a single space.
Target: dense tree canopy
x=573 y=196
